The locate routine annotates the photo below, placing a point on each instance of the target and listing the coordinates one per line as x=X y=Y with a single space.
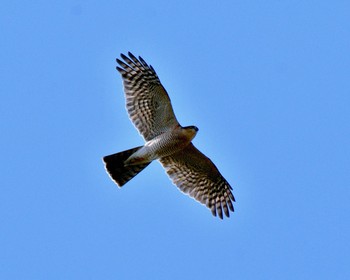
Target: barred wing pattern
x=147 y=101
x=196 y=175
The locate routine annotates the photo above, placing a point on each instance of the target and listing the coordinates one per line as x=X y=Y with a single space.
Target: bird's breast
x=168 y=143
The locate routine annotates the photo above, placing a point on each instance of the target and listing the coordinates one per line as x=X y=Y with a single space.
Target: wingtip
x=220 y=213
x=123 y=56
x=120 y=70
x=143 y=61
x=132 y=56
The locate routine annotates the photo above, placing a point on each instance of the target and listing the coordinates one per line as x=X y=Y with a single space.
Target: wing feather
x=196 y=175
x=147 y=101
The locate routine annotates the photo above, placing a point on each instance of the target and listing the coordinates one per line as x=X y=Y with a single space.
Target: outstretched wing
x=196 y=175
x=147 y=101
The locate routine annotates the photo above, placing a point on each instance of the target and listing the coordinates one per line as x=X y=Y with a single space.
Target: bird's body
x=150 y=110
x=163 y=145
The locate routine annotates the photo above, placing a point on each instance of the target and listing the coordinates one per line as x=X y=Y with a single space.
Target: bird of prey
x=150 y=110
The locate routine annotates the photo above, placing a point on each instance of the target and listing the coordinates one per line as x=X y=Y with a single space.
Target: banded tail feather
x=119 y=173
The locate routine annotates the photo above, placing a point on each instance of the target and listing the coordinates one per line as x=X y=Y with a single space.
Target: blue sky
x=266 y=82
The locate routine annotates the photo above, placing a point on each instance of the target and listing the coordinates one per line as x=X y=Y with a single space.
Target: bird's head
x=190 y=131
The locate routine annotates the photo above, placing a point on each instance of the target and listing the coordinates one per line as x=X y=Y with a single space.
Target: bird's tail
x=119 y=173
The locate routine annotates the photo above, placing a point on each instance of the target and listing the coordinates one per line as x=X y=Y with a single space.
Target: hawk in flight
x=149 y=108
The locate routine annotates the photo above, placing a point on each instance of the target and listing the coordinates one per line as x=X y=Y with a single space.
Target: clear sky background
x=266 y=82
